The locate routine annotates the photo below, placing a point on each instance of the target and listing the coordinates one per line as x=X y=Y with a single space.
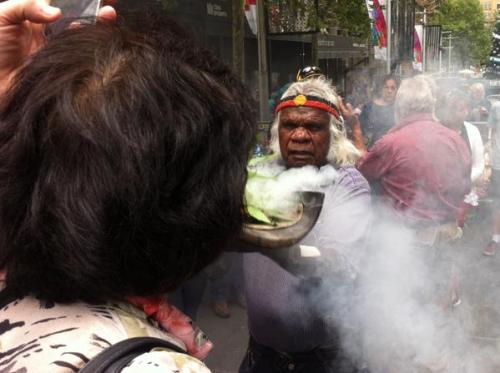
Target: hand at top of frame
x=21 y=32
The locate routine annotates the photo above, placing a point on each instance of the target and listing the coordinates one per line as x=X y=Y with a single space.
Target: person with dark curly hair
x=123 y=153
x=377 y=117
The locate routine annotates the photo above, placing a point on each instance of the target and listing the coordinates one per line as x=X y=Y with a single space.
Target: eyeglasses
x=309 y=72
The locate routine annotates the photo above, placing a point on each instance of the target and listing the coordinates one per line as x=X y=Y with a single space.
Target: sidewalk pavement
x=230 y=337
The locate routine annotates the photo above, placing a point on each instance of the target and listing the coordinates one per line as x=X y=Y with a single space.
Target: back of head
x=123 y=162
x=416 y=95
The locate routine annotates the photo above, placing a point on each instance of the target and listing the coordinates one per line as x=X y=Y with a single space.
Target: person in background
x=456 y=110
x=422 y=172
x=480 y=105
x=421 y=169
x=123 y=154
x=480 y=108
x=494 y=188
x=377 y=117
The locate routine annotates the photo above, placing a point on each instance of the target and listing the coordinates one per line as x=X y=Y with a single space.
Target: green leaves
x=348 y=15
x=465 y=19
x=258 y=215
x=266 y=199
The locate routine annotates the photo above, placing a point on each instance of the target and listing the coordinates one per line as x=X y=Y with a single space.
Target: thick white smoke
x=402 y=316
x=397 y=315
x=271 y=187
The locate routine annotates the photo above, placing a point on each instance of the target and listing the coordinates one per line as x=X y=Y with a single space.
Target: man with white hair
x=422 y=168
x=294 y=315
x=480 y=106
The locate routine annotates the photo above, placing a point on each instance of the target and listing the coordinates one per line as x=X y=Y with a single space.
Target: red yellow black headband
x=309 y=101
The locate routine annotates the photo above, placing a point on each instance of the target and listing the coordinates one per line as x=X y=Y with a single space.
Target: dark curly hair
x=123 y=152
x=380 y=82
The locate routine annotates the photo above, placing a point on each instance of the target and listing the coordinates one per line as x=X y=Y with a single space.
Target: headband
x=309 y=101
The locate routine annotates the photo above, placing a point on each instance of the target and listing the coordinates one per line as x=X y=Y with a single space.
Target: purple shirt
x=293 y=312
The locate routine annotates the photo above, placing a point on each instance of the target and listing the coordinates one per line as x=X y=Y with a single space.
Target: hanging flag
x=379 y=27
x=251 y=14
x=418 y=55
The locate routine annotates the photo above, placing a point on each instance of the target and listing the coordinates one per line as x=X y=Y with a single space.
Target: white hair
x=341 y=151
x=478 y=87
x=415 y=95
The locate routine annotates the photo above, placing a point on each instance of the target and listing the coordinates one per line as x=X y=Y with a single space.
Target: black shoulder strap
x=116 y=357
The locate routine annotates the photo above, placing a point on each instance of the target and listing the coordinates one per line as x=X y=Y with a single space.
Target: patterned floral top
x=42 y=337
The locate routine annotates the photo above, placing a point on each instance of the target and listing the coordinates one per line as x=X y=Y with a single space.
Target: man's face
x=304 y=136
x=477 y=94
x=389 y=91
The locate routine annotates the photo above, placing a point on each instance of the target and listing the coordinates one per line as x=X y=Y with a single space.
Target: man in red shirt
x=421 y=168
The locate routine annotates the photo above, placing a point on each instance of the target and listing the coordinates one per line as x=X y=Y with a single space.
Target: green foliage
x=258 y=215
x=465 y=19
x=348 y=15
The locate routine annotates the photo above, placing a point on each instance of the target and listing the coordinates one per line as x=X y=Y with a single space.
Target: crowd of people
x=466 y=111
x=124 y=153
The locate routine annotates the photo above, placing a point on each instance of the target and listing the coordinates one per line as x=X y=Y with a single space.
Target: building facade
x=211 y=21
x=491 y=8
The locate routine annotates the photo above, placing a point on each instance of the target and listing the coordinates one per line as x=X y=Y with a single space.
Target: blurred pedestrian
x=421 y=167
x=480 y=108
x=377 y=117
x=456 y=110
x=422 y=171
x=494 y=187
x=480 y=105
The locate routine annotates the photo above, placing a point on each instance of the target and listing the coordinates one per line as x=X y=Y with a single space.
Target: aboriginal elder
x=292 y=315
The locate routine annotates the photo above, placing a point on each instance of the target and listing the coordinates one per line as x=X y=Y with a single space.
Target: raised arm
x=21 y=32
